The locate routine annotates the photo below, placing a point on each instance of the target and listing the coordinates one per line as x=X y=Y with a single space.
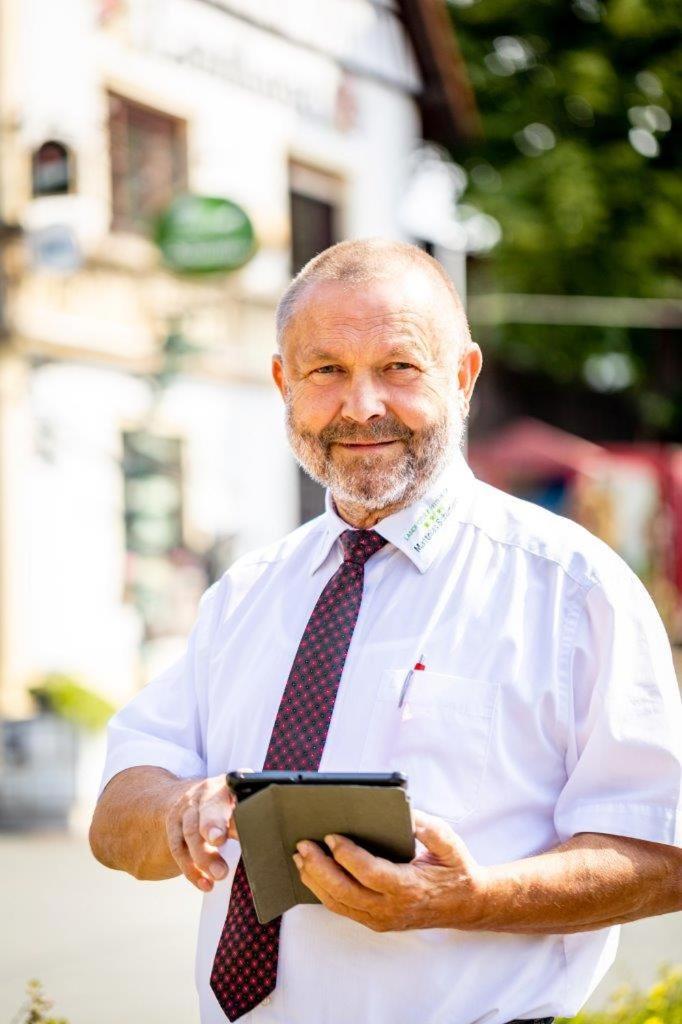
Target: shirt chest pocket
x=439 y=738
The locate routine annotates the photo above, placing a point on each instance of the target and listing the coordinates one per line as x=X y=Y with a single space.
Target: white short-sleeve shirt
x=548 y=706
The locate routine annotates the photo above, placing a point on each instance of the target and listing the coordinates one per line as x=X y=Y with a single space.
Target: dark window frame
x=127 y=117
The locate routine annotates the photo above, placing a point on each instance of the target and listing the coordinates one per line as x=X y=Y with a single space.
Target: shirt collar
x=417 y=530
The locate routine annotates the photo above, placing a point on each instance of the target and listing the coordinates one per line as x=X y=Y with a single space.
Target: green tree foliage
x=578 y=162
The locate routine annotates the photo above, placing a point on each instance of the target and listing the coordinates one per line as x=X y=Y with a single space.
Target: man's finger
x=181 y=856
x=205 y=856
x=337 y=906
x=215 y=815
x=374 y=873
x=439 y=838
x=329 y=877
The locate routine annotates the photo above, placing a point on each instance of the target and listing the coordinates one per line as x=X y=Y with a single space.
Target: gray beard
x=368 y=484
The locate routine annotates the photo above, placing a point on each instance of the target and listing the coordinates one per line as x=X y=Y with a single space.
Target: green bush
x=662 y=1004
x=66 y=697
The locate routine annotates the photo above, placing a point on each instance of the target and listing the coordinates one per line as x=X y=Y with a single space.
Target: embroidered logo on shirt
x=430 y=521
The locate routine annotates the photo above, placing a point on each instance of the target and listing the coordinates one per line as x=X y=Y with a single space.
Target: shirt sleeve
x=624 y=752
x=163 y=725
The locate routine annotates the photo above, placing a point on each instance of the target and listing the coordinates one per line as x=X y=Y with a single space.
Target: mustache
x=371 y=433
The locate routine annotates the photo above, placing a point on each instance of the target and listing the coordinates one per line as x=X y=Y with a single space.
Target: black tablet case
x=271 y=822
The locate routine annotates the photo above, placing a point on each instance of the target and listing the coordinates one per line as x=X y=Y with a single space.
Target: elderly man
x=541 y=739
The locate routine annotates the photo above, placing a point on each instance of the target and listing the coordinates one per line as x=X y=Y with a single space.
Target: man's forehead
x=397 y=295
x=406 y=307
x=377 y=324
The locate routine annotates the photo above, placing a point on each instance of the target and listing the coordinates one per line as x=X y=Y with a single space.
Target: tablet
x=275 y=810
x=245 y=783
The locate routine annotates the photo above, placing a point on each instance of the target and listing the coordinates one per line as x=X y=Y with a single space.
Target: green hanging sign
x=204 y=234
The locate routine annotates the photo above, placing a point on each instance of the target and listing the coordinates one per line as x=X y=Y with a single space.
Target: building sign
x=300 y=55
x=203 y=234
x=54 y=247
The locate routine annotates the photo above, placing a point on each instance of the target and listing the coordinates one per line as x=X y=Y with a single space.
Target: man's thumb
x=439 y=839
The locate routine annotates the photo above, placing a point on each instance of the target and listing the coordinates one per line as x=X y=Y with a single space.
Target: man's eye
x=401 y=366
x=325 y=369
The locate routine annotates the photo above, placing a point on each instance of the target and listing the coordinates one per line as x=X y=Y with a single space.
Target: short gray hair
x=360 y=260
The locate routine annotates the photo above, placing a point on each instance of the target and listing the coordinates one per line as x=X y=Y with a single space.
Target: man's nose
x=362 y=399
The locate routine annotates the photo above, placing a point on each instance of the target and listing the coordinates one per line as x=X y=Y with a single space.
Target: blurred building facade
x=141 y=441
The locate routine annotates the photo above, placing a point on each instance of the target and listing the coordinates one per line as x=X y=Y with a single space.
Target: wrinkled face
x=369 y=378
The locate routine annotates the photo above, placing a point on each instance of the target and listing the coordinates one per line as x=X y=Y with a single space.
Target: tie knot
x=359 y=545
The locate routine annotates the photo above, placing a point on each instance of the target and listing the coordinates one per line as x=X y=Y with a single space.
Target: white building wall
x=240 y=482
x=77 y=546
x=242 y=133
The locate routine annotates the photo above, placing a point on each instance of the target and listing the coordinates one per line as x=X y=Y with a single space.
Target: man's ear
x=470 y=364
x=278 y=374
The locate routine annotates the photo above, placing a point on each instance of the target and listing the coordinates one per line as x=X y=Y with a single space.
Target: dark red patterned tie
x=245 y=966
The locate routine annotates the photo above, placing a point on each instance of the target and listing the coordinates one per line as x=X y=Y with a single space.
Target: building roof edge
x=447 y=103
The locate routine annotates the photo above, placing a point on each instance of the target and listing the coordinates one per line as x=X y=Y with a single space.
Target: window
x=314 y=230
x=315 y=200
x=315 y=206
x=152 y=468
x=148 y=162
x=51 y=169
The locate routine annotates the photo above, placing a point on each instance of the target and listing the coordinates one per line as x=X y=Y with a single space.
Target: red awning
x=530 y=449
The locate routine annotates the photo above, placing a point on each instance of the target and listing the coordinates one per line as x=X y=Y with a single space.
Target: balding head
x=363 y=260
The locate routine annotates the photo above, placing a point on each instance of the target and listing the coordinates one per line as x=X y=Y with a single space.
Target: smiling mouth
x=365 y=445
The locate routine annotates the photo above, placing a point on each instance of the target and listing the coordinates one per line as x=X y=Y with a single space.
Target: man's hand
x=198 y=821
x=593 y=880
x=443 y=887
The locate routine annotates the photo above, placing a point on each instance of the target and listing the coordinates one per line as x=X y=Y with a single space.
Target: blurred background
x=165 y=167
